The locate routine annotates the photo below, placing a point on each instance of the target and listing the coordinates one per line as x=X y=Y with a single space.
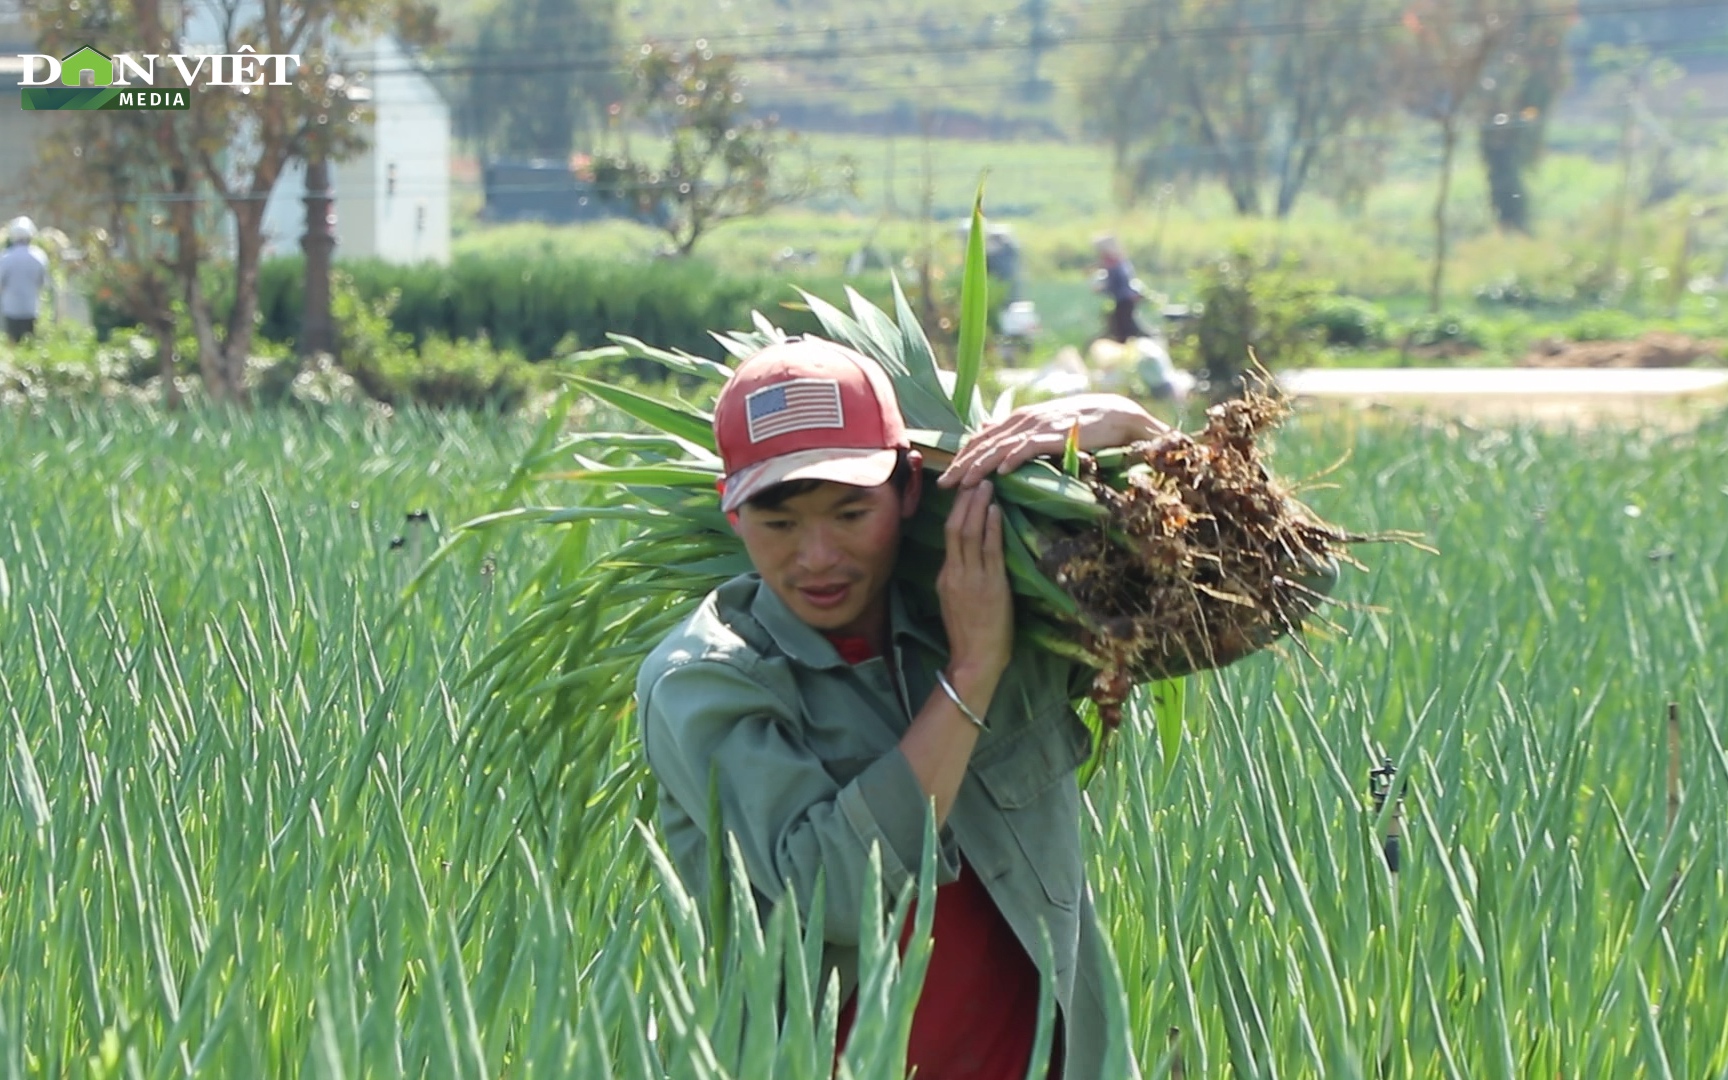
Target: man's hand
x=977 y=607
x=1105 y=420
x=979 y=616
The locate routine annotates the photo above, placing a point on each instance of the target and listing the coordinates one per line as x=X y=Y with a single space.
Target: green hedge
x=534 y=303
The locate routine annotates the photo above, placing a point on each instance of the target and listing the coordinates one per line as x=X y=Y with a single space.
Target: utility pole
x=889 y=209
x=317 y=331
x=1628 y=155
x=926 y=212
x=1038 y=41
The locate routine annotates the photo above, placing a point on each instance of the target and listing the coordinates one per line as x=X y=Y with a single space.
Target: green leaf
x=946 y=441
x=1169 y=704
x=665 y=446
x=915 y=350
x=681 y=362
x=687 y=476
x=740 y=345
x=875 y=328
x=1038 y=488
x=1071 y=452
x=694 y=426
x=974 y=312
x=917 y=384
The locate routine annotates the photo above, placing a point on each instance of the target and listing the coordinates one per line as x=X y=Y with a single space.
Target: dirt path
x=1664 y=395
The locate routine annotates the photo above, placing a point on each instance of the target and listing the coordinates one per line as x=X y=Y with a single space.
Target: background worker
x=23 y=277
x=1115 y=279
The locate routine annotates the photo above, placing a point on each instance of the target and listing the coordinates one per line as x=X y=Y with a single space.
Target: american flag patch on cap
x=794 y=405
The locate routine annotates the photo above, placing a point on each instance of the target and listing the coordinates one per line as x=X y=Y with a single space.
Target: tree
x=415 y=22
x=1628 y=74
x=1252 y=92
x=1519 y=89
x=127 y=183
x=1447 y=46
x=229 y=147
x=92 y=174
x=719 y=162
x=544 y=73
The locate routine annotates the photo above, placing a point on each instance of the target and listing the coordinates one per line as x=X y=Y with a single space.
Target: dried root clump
x=1205 y=557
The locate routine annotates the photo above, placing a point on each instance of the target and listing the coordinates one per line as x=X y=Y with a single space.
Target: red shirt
x=978 y=1013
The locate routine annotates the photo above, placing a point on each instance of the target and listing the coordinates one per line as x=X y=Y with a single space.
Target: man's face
x=828 y=554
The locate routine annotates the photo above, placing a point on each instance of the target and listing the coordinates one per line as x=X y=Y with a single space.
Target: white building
x=19 y=130
x=392 y=200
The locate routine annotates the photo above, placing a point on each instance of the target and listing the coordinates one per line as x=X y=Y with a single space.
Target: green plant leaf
x=974 y=313
x=1040 y=489
x=1169 y=704
x=917 y=384
x=662 y=416
x=915 y=348
x=681 y=362
x=686 y=476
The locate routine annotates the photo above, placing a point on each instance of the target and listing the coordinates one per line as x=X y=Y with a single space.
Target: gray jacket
x=23 y=276
x=811 y=776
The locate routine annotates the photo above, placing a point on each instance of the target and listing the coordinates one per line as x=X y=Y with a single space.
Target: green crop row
x=243 y=831
x=541 y=305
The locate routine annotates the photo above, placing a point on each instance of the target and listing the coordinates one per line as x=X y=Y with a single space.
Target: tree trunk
x=1617 y=223
x=192 y=291
x=210 y=366
x=317 y=333
x=248 y=248
x=161 y=328
x=1239 y=176
x=155 y=300
x=1126 y=184
x=1448 y=144
x=1503 y=155
x=1242 y=193
x=1292 y=178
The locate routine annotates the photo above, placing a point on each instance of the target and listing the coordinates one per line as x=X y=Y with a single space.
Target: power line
x=523 y=62
x=408 y=189
x=1189 y=149
x=873 y=26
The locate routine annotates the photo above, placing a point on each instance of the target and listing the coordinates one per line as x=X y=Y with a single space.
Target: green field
x=241 y=832
x=1669 y=259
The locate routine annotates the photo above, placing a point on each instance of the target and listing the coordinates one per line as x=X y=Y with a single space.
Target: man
x=23 y=276
x=830 y=711
x=1115 y=279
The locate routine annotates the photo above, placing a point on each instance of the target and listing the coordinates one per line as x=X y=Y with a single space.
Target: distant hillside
x=968 y=68
x=838 y=65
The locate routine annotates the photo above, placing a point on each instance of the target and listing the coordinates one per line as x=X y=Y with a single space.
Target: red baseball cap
x=806 y=409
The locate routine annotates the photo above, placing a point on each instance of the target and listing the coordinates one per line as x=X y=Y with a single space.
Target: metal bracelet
x=954 y=696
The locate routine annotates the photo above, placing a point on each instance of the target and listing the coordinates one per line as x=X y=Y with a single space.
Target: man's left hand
x=1105 y=420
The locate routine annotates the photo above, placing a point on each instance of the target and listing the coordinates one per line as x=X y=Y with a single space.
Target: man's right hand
x=978 y=612
x=977 y=606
